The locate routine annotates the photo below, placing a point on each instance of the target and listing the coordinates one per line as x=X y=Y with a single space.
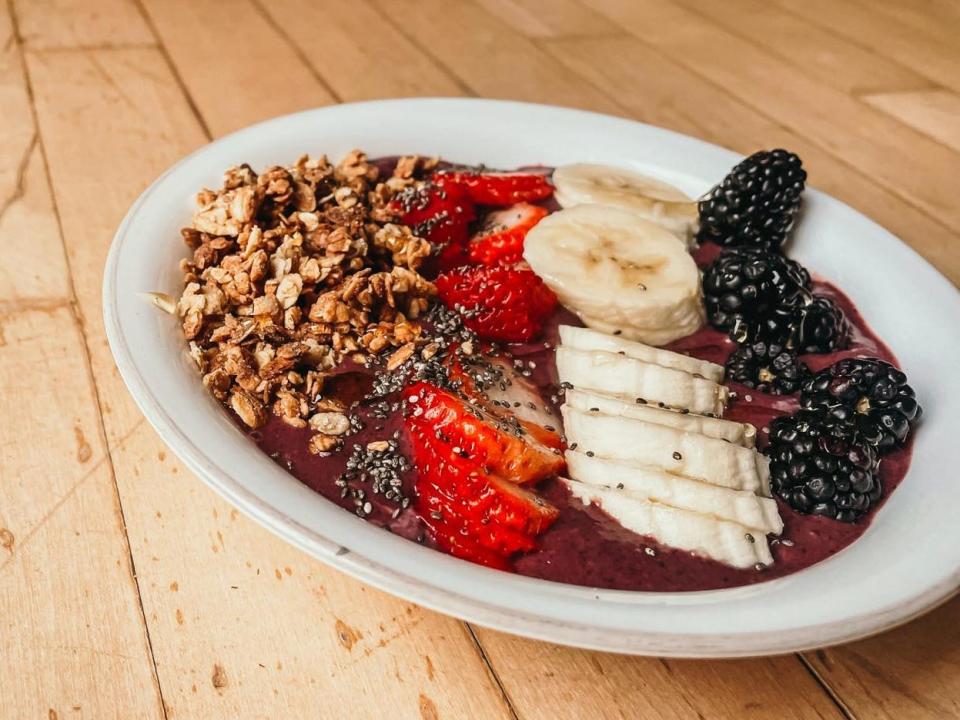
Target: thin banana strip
x=647 y=483
x=639 y=381
x=738 y=433
x=581 y=338
x=614 y=268
x=687 y=454
x=721 y=540
x=653 y=199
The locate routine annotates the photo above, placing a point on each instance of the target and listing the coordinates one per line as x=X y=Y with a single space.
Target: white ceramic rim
x=829 y=603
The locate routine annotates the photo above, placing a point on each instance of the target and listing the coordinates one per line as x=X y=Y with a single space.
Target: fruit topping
x=498 y=188
x=500 y=240
x=818 y=470
x=499 y=445
x=818 y=327
x=766 y=366
x=620 y=273
x=655 y=200
x=753 y=292
x=756 y=204
x=868 y=396
x=441 y=214
x=498 y=303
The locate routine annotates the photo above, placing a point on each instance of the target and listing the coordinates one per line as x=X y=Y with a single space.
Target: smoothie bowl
x=625 y=397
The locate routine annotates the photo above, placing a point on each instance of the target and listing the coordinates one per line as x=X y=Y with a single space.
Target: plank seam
x=87 y=359
x=827 y=688
x=493 y=673
x=297 y=50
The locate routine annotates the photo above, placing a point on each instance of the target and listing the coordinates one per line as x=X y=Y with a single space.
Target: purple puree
x=585 y=546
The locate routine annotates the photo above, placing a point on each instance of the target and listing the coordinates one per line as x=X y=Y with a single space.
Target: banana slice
x=737 y=433
x=655 y=200
x=638 y=381
x=678 y=452
x=580 y=338
x=614 y=268
x=721 y=540
x=646 y=483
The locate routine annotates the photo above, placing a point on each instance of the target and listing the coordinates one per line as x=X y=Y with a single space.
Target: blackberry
x=819 y=469
x=744 y=288
x=768 y=367
x=867 y=395
x=818 y=327
x=756 y=204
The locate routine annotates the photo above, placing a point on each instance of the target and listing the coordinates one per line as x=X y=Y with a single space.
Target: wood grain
x=72 y=635
x=221 y=619
x=904 y=161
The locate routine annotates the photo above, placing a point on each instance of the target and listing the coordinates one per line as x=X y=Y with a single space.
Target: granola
x=294 y=271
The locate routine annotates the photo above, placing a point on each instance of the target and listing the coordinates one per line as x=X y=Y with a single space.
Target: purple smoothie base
x=585 y=546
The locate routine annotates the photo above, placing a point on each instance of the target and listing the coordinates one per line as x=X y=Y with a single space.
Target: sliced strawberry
x=496 y=445
x=498 y=303
x=482 y=497
x=455 y=539
x=500 y=240
x=492 y=382
x=500 y=188
x=441 y=214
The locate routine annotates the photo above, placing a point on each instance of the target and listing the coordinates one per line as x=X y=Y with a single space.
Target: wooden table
x=129 y=590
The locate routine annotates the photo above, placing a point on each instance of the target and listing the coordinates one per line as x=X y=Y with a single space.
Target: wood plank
x=556 y=19
x=817 y=52
x=270 y=80
x=71 y=630
x=912 y=672
x=46 y=24
x=548 y=681
x=860 y=23
x=72 y=635
x=672 y=96
x=358 y=53
x=904 y=161
x=490 y=57
x=212 y=581
x=934 y=112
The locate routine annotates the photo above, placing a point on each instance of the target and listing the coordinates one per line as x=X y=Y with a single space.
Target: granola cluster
x=294 y=271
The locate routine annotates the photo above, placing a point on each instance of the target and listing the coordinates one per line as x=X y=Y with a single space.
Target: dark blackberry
x=768 y=367
x=818 y=327
x=756 y=204
x=746 y=287
x=820 y=470
x=867 y=395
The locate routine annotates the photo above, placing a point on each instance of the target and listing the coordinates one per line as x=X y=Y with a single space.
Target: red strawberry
x=500 y=188
x=500 y=240
x=438 y=212
x=453 y=538
x=495 y=445
x=504 y=392
x=498 y=303
x=481 y=496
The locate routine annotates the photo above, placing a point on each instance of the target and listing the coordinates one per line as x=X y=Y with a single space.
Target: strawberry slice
x=480 y=496
x=442 y=214
x=496 y=445
x=500 y=240
x=453 y=538
x=498 y=303
x=500 y=188
x=504 y=392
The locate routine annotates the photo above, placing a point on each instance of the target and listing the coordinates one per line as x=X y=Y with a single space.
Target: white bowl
x=907 y=562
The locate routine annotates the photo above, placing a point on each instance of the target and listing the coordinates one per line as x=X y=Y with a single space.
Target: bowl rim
x=582 y=632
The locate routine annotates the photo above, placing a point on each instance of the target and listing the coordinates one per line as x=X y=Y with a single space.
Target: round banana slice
x=584 y=184
x=618 y=271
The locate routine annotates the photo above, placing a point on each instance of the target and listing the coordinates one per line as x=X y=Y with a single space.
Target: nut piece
x=330 y=423
x=321 y=444
x=248 y=408
x=378 y=446
x=400 y=356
